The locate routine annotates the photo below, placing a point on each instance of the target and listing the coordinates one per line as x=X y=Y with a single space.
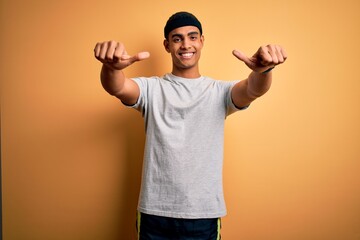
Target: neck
x=186 y=73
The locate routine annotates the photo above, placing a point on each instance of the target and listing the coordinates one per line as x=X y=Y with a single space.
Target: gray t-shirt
x=183 y=158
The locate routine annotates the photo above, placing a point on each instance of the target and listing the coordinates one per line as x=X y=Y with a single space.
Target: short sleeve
x=141 y=101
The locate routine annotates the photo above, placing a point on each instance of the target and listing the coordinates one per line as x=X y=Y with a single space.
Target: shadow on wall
x=133 y=131
x=126 y=126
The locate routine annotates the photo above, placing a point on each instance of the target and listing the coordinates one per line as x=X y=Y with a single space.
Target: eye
x=193 y=38
x=176 y=39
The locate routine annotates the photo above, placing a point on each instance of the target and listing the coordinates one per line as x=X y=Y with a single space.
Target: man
x=181 y=194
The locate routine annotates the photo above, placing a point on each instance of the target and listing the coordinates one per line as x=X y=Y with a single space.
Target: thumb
x=142 y=55
x=241 y=56
x=137 y=57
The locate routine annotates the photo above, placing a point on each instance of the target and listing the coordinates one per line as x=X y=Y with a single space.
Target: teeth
x=187 y=55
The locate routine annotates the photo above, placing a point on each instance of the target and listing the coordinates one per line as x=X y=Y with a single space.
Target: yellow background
x=72 y=154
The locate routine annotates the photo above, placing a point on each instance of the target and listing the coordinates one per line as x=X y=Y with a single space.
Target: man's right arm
x=115 y=58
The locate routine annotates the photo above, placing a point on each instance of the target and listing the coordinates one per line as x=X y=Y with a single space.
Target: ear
x=202 y=39
x=166 y=45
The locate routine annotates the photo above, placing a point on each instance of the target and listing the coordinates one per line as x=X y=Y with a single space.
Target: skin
x=184 y=44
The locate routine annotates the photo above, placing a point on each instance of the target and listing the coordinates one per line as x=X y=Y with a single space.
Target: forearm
x=246 y=91
x=112 y=80
x=258 y=84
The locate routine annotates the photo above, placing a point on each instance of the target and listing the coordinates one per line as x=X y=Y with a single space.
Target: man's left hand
x=265 y=58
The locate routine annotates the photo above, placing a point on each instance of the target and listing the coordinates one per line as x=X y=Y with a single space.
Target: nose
x=185 y=43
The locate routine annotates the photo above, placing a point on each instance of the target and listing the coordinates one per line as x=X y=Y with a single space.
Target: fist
x=265 y=58
x=114 y=55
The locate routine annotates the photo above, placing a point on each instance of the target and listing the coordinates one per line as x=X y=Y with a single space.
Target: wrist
x=268 y=70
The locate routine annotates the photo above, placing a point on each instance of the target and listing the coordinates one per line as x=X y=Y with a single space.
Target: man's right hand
x=113 y=55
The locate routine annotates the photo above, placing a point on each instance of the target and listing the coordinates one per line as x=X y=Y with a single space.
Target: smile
x=186 y=55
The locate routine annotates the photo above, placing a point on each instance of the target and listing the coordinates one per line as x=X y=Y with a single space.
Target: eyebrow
x=182 y=35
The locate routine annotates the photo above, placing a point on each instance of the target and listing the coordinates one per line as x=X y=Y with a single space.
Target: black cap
x=181 y=19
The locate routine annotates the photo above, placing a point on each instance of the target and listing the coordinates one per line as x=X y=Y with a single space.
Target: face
x=184 y=44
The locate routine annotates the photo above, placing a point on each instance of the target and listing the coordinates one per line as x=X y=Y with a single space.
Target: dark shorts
x=150 y=227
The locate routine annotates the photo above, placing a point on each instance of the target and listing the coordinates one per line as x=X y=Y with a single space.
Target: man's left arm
x=259 y=80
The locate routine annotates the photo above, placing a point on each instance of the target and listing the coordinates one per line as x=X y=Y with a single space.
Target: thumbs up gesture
x=114 y=55
x=265 y=58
